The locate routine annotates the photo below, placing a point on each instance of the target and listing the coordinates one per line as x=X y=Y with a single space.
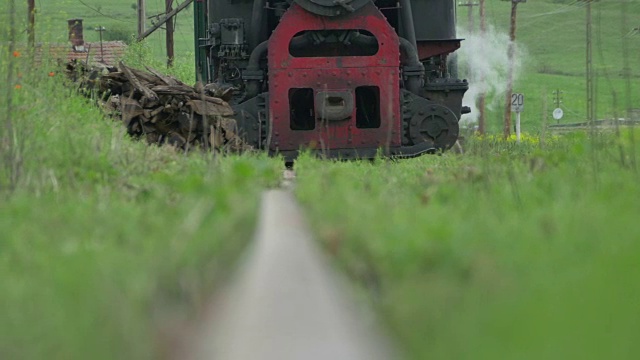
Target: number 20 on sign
x=517 y=102
x=517 y=105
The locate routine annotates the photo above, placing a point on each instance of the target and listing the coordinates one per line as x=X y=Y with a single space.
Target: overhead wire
x=565 y=8
x=103 y=14
x=536 y=18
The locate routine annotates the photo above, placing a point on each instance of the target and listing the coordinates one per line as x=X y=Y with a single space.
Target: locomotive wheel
x=433 y=123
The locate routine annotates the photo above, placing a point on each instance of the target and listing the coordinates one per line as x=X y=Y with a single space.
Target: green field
x=552 y=37
x=118 y=17
x=509 y=251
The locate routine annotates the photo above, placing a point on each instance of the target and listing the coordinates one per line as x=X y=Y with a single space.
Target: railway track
x=285 y=301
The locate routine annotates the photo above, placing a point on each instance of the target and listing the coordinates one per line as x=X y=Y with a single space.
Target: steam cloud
x=484 y=60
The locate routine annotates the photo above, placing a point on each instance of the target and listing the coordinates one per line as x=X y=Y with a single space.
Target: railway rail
x=285 y=301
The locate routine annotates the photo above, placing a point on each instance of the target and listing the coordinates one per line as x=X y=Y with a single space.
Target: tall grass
x=10 y=144
x=108 y=247
x=507 y=252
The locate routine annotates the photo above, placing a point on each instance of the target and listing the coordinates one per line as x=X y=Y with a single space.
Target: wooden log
x=151 y=113
x=209 y=109
x=147 y=93
x=168 y=80
x=145 y=76
x=173 y=89
x=215 y=100
x=160 y=108
x=130 y=108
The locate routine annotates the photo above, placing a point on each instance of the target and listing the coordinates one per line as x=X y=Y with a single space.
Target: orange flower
x=16 y=53
x=18 y=86
x=51 y=73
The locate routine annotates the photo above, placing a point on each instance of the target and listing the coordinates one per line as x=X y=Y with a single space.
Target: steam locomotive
x=347 y=78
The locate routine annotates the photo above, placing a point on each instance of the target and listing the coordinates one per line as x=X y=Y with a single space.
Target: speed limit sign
x=517 y=102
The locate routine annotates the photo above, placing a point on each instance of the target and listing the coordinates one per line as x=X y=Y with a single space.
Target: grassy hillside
x=552 y=35
x=117 y=16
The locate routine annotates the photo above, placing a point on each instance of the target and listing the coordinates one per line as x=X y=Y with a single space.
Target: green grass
x=108 y=246
x=119 y=17
x=510 y=251
x=552 y=35
x=507 y=252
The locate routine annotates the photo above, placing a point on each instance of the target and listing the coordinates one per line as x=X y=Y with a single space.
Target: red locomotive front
x=346 y=78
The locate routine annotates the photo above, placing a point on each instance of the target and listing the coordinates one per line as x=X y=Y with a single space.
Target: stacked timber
x=161 y=108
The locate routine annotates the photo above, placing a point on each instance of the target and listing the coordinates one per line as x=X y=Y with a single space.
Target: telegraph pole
x=589 y=65
x=31 y=30
x=557 y=97
x=141 y=16
x=101 y=29
x=511 y=54
x=557 y=100
x=170 y=53
x=481 y=98
x=625 y=58
x=470 y=5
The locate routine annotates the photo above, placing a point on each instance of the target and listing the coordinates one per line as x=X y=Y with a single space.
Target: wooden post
x=470 y=5
x=31 y=6
x=141 y=16
x=6 y=135
x=101 y=29
x=511 y=53
x=589 y=65
x=164 y=19
x=170 y=30
x=482 y=97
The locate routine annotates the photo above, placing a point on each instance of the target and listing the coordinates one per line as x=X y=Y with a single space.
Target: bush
x=125 y=35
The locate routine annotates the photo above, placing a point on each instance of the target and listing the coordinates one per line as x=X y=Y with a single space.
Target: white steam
x=484 y=61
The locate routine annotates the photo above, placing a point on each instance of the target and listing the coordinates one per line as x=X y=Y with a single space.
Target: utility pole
x=101 y=29
x=589 y=65
x=557 y=100
x=625 y=58
x=170 y=29
x=627 y=74
x=165 y=18
x=31 y=30
x=511 y=54
x=482 y=97
x=557 y=97
x=141 y=16
x=470 y=5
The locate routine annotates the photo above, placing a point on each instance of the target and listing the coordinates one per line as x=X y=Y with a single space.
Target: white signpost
x=517 y=106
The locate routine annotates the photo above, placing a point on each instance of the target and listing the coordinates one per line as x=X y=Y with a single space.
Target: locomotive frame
x=344 y=78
